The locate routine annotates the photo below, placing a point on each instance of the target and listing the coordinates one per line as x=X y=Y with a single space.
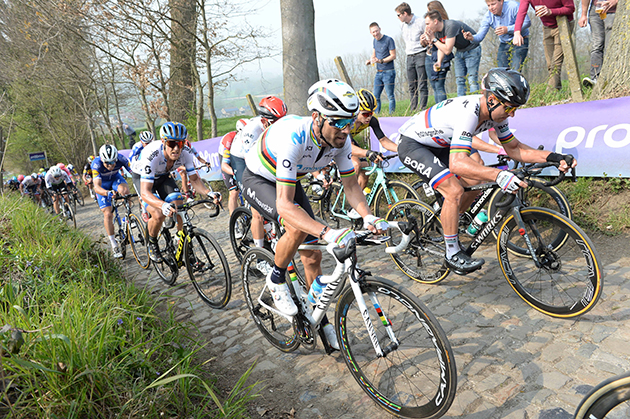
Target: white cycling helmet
x=55 y=171
x=333 y=98
x=108 y=153
x=146 y=137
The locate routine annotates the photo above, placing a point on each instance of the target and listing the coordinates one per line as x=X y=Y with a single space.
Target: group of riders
x=266 y=156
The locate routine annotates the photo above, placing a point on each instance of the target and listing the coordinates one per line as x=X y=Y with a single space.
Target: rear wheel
x=609 y=399
x=241 y=237
x=167 y=270
x=394 y=191
x=138 y=239
x=79 y=196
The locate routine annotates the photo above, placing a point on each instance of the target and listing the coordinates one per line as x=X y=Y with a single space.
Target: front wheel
x=208 y=269
x=568 y=280
x=79 y=197
x=386 y=197
x=417 y=377
x=69 y=215
x=279 y=331
x=606 y=396
x=167 y=270
x=138 y=239
x=241 y=237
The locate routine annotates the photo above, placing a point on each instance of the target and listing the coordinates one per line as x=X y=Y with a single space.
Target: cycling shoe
x=462 y=264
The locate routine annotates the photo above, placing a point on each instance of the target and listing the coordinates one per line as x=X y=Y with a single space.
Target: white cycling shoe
x=331 y=336
x=281 y=297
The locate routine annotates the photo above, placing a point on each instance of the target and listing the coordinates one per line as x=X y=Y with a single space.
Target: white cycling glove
x=215 y=195
x=379 y=223
x=507 y=181
x=341 y=236
x=166 y=208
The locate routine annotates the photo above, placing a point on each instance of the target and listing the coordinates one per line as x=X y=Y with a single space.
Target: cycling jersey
x=452 y=123
x=358 y=128
x=246 y=138
x=87 y=170
x=152 y=162
x=50 y=179
x=99 y=171
x=226 y=146
x=29 y=181
x=134 y=157
x=288 y=150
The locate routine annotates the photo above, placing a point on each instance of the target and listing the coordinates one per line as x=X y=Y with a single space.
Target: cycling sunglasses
x=173 y=143
x=109 y=162
x=340 y=123
x=508 y=108
x=367 y=114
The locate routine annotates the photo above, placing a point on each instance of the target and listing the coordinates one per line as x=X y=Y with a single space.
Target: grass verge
x=78 y=341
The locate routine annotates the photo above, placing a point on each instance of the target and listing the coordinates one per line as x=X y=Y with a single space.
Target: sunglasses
x=173 y=143
x=508 y=108
x=367 y=114
x=339 y=123
x=110 y=163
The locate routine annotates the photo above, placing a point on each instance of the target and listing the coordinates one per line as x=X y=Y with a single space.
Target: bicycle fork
x=523 y=232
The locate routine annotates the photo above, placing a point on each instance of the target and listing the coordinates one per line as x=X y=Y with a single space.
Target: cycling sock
x=113 y=241
x=259 y=242
x=277 y=275
x=452 y=245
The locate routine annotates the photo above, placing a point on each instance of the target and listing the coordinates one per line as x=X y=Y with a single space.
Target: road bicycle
x=607 y=400
x=333 y=207
x=548 y=260
x=199 y=251
x=130 y=230
x=76 y=195
x=392 y=344
x=66 y=212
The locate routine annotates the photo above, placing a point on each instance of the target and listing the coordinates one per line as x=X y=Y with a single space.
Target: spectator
x=449 y=34
x=436 y=79
x=383 y=55
x=412 y=28
x=547 y=11
x=601 y=27
x=131 y=133
x=501 y=17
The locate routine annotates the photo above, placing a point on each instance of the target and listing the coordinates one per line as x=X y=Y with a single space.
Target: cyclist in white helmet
x=287 y=151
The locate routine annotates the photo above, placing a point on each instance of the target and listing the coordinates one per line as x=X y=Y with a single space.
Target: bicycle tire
x=394 y=191
x=418 y=379
x=208 y=269
x=275 y=328
x=122 y=241
x=536 y=195
x=79 y=197
x=138 y=240
x=69 y=215
x=167 y=270
x=569 y=281
x=605 y=397
x=241 y=237
x=423 y=259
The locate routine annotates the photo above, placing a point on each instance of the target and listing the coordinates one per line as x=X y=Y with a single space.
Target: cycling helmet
x=90 y=159
x=240 y=124
x=61 y=166
x=55 y=171
x=507 y=85
x=367 y=100
x=333 y=98
x=20 y=178
x=146 y=137
x=42 y=170
x=14 y=178
x=33 y=175
x=70 y=167
x=272 y=108
x=173 y=131
x=108 y=153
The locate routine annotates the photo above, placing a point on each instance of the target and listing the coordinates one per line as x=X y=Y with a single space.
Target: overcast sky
x=342 y=26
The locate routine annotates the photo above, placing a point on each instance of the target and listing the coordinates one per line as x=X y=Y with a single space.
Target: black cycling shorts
x=423 y=162
x=261 y=194
x=238 y=166
x=164 y=186
x=229 y=180
x=59 y=187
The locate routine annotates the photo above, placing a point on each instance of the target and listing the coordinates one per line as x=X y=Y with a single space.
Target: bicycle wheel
x=386 y=197
x=121 y=237
x=568 y=281
x=418 y=377
x=167 y=270
x=69 y=215
x=423 y=259
x=79 y=197
x=337 y=205
x=241 y=237
x=208 y=269
x=605 y=397
x=536 y=195
x=138 y=239
x=275 y=328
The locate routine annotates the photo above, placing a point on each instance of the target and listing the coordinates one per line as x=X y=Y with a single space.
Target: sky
x=342 y=26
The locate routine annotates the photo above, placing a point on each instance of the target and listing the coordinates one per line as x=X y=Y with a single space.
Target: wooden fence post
x=568 y=48
x=342 y=71
x=252 y=104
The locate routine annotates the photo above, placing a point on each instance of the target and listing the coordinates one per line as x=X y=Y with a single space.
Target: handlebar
x=118 y=197
x=526 y=172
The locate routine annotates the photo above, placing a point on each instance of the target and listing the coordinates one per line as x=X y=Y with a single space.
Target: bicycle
x=334 y=208
x=66 y=213
x=199 y=251
x=605 y=397
x=131 y=231
x=392 y=344
x=547 y=259
x=77 y=195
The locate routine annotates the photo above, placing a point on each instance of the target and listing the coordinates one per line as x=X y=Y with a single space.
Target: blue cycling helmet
x=173 y=131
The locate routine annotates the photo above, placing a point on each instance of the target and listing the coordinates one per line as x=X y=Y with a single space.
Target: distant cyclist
x=436 y=145
x=226 y=170
x=146 y=137
x=87 y=176
x=57 y=181
x=31 y=185
x=108 y=182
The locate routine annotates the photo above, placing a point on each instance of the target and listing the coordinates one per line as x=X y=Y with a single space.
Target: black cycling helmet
x=367 y=100
x=509 y=86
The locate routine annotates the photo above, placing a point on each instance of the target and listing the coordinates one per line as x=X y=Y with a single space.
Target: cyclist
x=108 y=182
x=57 y=181
x=136 y=169
x=226 y=170
x=365 y=119
x=436 y=145
x=182 y=171
x=31 y=185
x=158 y=189
x=287 y=151
x=87 y=176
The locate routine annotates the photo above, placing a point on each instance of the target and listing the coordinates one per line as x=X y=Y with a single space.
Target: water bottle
x=124 y=224
x=317 y=288
x=480 y=219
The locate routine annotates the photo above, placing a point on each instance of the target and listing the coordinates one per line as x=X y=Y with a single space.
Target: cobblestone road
x=512 y=361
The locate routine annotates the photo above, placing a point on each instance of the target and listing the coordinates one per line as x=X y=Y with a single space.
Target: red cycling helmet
x=272 y=108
